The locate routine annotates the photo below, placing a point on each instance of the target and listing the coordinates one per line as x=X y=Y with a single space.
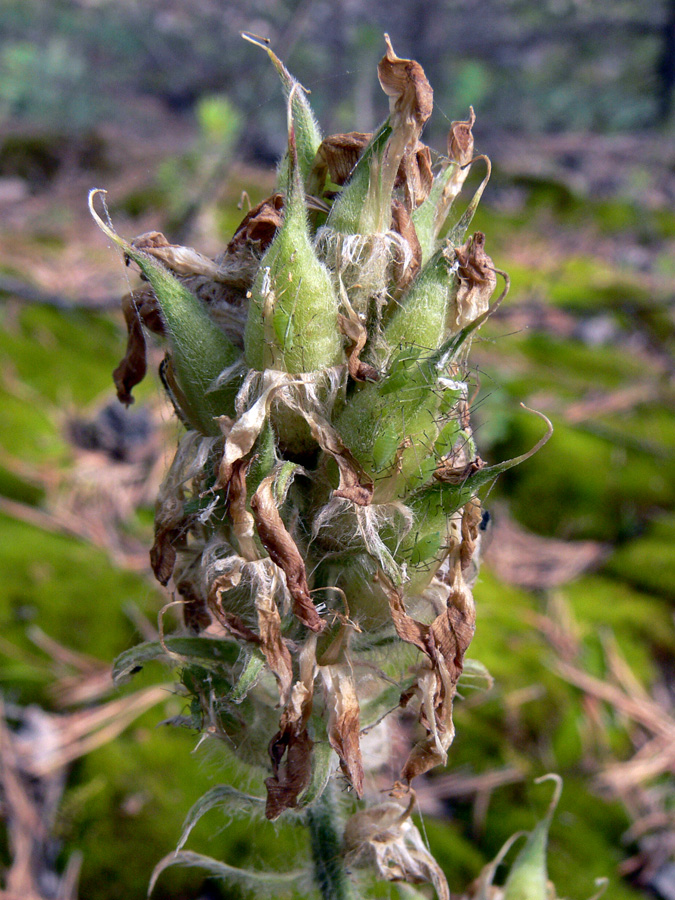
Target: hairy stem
x=326 y=840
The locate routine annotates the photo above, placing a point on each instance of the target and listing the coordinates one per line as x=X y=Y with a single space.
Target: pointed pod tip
x=104 y=226
x=540 y=443
x=264 y=44
x=551 y=776
x=256 y=39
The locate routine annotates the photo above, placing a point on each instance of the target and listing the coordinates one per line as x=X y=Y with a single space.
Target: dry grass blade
x=645 y=712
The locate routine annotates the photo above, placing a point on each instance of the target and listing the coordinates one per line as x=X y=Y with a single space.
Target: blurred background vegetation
x=163 y=104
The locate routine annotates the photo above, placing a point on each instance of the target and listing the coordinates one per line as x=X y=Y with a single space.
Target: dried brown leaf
x=284 y=552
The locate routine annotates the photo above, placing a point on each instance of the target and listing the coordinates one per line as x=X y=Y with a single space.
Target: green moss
x=69 y=589
x=648 y=561
x=588 y=367
x=29 y=432
x=456 y=854
x=151 y=780
x=641 y=624
x=19 y=489
x=65 y=356
x=584 y=484
x=139 y=202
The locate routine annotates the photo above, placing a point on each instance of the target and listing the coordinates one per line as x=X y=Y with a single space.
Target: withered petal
x=242 y=521
x=139 y=308
x=273 y=646
x=232 y=622
x=291 y=756
x=258 y=226
x=291 y=748
x=477 y=280
x=460 y=140
x=163 y=553
x=404 y=82
x=336 y=157
x=356 y=334
x=402 y=223
x=284 y=552
x=183 y=261
x=415 y=176
x=444 y=642
x=344 y=718
x=195 y=610
x=354 y=484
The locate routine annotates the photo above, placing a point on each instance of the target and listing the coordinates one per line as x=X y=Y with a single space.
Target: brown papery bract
x=284 y=552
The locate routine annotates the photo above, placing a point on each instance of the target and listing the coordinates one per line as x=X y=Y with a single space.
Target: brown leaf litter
x=519 y=557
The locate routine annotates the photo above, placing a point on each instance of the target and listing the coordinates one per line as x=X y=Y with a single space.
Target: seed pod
x=420 y=319
x=201 y=353
x=307 y=131
x=433 y=504
x=292 y=323
x=528 y=879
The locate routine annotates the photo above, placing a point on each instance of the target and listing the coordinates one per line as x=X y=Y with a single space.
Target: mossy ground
x=607 y=474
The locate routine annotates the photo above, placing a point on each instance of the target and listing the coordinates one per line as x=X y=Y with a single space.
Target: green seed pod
x=292 y=323
x=434 y=503
x=200 y=351
x=420 y=319
x=355 y=210
x=307 y=131
x=394 y=424
x=528 y=879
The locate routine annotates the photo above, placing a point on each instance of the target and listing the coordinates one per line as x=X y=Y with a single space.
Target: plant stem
x=326 y=840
